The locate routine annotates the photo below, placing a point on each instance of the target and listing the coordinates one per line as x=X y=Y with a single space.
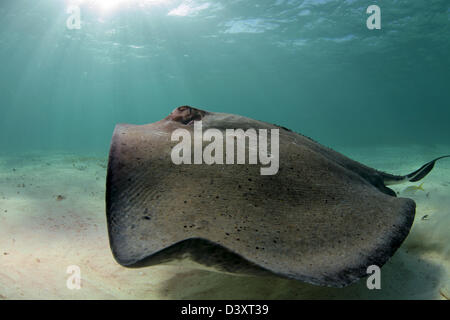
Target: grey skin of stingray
x=322 y=219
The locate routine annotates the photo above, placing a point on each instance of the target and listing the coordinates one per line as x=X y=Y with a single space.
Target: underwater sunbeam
x=105 y=6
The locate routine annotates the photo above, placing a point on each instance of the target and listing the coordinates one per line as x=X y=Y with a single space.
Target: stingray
x=322 y=218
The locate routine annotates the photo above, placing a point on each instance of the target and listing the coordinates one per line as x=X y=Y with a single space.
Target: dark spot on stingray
x=146 y=217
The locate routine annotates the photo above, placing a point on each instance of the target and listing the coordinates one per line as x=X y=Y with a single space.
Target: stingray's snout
x=186 y=115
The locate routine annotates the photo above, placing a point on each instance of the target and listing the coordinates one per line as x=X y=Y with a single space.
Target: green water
x=379 y=96
x=309 y=65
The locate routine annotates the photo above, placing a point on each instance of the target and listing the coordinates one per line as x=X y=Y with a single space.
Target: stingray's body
x=323 y=218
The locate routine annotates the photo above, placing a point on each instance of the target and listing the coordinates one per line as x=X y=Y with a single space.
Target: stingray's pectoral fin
x=415 y=176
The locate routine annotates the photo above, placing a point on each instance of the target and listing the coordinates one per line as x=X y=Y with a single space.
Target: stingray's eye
x=187 y=115
x=184 y=108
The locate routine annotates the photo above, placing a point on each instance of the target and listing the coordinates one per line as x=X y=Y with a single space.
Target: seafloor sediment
x=52 y=215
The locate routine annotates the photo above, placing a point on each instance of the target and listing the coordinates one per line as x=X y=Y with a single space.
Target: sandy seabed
x=52 y=216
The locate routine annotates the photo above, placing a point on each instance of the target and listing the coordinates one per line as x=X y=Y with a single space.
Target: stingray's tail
x=412 y=177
